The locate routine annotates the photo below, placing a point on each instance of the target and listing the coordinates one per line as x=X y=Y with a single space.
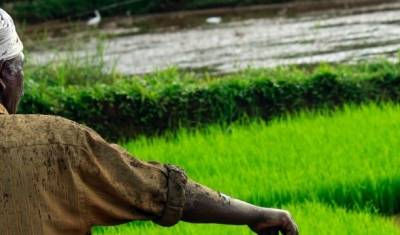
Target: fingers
x=283 y=222
x=275 y=231
x=270 y=231
x=289 y=227
x=273 y=221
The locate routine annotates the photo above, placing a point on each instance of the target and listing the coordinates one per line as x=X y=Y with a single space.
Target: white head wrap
x=10 y=45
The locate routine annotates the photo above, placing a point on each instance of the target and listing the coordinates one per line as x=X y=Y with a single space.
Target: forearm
x=204 y=205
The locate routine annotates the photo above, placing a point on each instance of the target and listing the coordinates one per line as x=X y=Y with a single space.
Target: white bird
x=214 y=20
x=95 y=20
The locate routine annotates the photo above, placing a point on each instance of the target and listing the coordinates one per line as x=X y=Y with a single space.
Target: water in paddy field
x=344 y=35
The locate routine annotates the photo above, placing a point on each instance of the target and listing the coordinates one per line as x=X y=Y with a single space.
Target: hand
x=204 y=205
x=270 y=231
x=271 y=221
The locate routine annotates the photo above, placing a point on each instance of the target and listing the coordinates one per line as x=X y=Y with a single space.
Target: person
x=60 y=177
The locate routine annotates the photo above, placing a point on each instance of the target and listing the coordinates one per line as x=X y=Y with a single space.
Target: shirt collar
x=3 y=110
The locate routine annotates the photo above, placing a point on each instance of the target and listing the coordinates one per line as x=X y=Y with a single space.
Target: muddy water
x=340 y=36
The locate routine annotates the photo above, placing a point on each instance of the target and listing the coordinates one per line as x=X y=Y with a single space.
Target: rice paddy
x=336 y=172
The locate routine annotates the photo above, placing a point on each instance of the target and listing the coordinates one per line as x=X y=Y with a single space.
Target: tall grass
x=334 y=171
x=74 y=66
x=346 y=158
x=312 y=218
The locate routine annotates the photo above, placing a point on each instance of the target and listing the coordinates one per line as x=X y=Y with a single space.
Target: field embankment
x=127 y=107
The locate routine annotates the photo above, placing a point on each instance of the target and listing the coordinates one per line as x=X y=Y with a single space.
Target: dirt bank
x=56 y=30
x=339 y=35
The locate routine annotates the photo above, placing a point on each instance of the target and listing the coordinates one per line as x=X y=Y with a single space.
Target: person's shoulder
x=44 y=120
x=41 y=129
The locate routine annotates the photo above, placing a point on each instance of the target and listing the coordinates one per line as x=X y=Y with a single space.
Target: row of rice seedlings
x=344 y=162
x=348 y=158
x=312 y=218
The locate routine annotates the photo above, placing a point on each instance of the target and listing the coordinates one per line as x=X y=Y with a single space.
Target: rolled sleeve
x=176 y=198
x=118 y=187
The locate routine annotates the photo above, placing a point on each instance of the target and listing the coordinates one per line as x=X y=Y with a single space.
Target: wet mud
x=259 y=37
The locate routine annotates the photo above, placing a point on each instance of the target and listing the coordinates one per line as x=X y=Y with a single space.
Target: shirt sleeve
x=117 y=187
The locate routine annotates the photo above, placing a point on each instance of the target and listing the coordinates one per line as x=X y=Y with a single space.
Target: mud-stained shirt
x=59 y=177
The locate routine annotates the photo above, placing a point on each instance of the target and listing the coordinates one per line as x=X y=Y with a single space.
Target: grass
x=312 y=218
x=334 y=171
x=69 y=68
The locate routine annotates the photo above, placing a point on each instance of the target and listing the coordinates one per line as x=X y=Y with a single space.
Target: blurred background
x=51 y=9
x=139 y=37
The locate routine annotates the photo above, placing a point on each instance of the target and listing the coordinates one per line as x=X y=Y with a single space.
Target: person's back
x=38 y=156
x=71 y=179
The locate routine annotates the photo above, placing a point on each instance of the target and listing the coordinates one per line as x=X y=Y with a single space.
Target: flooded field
x=343 y=35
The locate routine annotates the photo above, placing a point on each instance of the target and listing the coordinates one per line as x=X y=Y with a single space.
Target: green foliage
x=344 y=158
x=312 y=218
x=167 y=100
x=333 y=170
x=51 y=9
x=70 y=69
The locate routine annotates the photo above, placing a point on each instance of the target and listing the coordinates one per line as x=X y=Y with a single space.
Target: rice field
x=336 y=172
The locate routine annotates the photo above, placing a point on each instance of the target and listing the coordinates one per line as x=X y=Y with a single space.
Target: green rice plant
x=347 y=158
x=312 y=218
x=336 y=172
x=316 y=218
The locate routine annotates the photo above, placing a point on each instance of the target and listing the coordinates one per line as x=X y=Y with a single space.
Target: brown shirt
x=59 y=177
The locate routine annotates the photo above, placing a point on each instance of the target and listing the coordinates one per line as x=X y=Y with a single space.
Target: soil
x=302 y=33
x=52 y=32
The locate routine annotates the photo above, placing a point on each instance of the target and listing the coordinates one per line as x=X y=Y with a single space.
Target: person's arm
x=204 y=205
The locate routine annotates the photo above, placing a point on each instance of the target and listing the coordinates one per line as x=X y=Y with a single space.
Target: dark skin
x=203 y=205
x=12 y=83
